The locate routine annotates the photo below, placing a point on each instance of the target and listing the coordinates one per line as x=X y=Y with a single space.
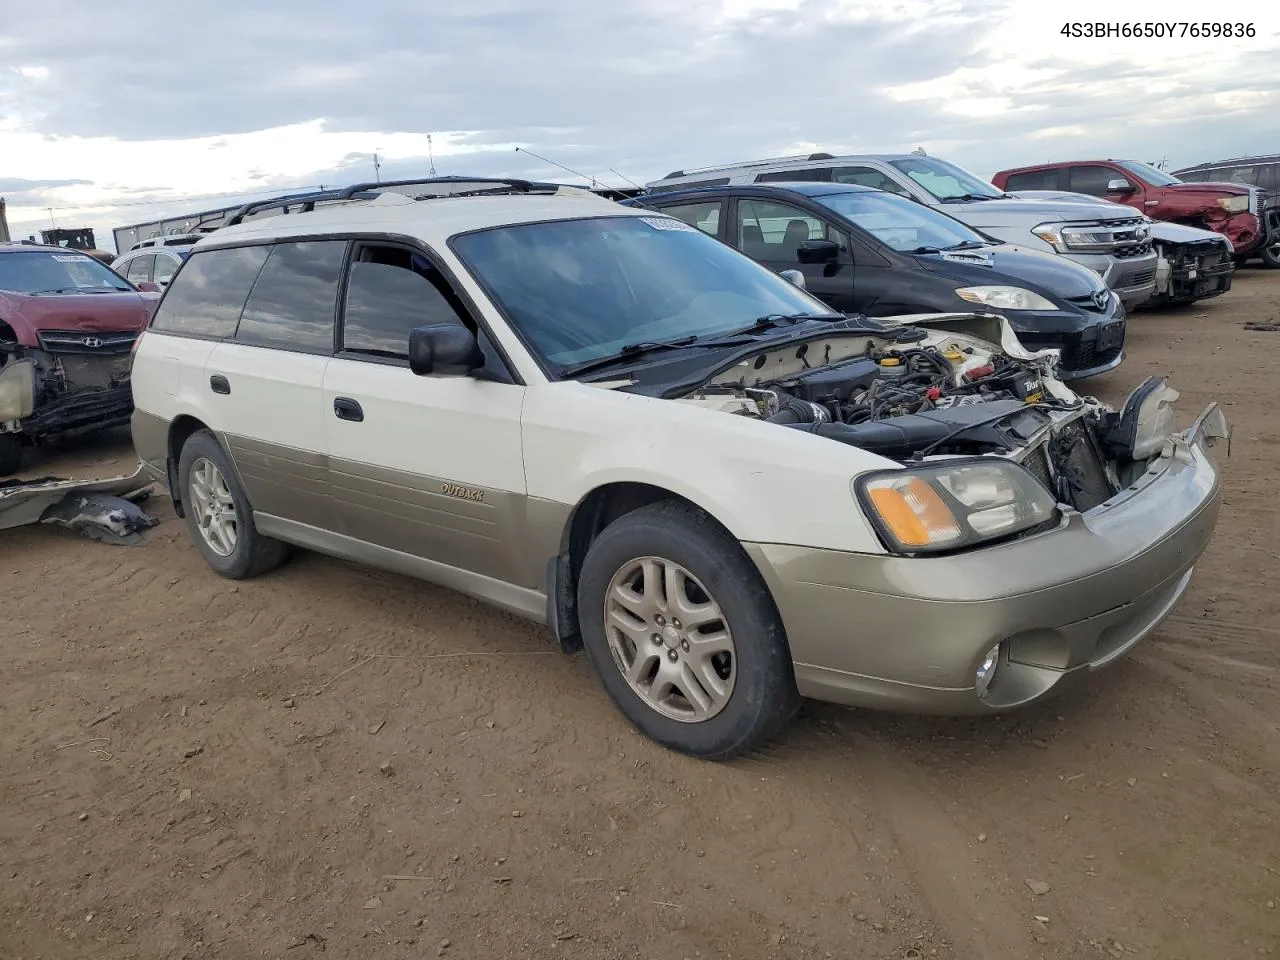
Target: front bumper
x=1245 y=231
x=908 y=634
x=1132 y=278
x=1197 y=275
x=1087 y=352
x=87 y=411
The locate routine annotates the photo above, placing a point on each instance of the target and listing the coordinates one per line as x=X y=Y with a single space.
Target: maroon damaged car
x=67 y=328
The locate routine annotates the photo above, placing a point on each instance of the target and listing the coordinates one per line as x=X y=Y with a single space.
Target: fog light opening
x=987 y=671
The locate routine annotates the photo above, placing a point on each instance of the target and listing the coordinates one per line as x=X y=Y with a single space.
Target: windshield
x=44 y=272
x=1157 y=178
x=579 y=290
x=945 y=180
x=901 y=224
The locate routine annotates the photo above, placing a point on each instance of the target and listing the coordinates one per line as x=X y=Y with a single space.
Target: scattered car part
x=100 y=509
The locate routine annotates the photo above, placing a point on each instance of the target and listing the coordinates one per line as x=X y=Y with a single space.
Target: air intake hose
x=793 y=411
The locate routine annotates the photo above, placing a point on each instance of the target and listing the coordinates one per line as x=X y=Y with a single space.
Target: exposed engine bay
x=944 y=395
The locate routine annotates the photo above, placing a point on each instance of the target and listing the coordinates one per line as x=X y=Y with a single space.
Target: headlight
x=1138 y=431
x=1005 y=298
x=960 y=503
x=1087 y=238
x=1234 y=204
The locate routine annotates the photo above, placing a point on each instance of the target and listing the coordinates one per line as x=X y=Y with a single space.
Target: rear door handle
x=219 y=384
x=347 y=409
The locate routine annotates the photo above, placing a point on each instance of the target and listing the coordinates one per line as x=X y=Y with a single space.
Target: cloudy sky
x=111 y=114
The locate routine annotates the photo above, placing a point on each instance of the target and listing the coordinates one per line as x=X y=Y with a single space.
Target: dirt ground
x=336 y=761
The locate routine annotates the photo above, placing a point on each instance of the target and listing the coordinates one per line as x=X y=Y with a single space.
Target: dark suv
x=866 y=251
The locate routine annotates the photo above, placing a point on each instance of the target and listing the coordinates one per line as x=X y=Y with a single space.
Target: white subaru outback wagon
x=602 y=419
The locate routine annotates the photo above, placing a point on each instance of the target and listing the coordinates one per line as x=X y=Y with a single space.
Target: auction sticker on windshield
x=666 y=223
x=70 y=257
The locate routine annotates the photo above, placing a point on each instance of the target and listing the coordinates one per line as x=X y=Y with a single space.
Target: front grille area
x=1085 y=355
x=1143 y=276
x=1134 y=250
x=85 y=341
x=1037 y=464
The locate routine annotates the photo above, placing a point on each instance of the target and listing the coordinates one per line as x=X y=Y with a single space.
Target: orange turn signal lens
x=913 y=512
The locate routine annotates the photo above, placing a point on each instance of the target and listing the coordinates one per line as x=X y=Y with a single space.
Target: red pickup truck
x=1230 y=209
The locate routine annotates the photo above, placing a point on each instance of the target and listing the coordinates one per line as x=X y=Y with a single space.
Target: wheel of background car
x=10 y=454
x=683 y=634
x=1271 y=252
x=218 y=515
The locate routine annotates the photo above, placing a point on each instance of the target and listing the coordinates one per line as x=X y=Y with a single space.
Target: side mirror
x=444 y=350
x=793 y=277
x=146 y=286
x=818 y=251
x=1119 y=186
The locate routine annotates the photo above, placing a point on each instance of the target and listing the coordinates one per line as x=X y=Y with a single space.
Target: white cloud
x=645 y=87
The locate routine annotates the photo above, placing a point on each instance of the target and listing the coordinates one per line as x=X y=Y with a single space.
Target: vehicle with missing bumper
x=67 y=324
x=602 y=419
x=1195 y=264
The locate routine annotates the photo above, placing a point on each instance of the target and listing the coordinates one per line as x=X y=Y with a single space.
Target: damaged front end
x=73 y=383
x=953 y=395
x=1194 y=264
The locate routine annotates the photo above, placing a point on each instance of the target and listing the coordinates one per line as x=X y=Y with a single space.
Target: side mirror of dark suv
x=444 y=350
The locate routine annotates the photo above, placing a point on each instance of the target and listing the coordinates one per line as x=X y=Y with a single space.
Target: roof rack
x=754 y=163
x=369 y=191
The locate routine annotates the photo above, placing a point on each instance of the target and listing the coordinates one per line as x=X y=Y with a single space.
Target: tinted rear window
x=207 y=295
x=292 y=304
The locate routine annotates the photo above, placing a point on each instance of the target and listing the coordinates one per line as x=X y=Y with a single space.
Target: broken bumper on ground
x=909 y=634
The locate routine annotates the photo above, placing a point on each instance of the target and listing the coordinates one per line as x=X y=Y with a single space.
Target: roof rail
x=369 y=191
x=753 y=163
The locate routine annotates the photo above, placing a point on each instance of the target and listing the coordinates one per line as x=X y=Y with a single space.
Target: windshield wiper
x=966 y=198
x=966 y=245
x=627 y=352
x=36 y=293
x=770 y=320
x=926 y=250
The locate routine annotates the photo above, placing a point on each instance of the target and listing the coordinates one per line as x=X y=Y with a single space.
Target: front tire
x=1271 y=253
x=683 y=633
x=219 y=518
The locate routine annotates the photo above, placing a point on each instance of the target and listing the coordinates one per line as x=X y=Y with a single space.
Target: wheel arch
x=180 y=432
x=596 y=510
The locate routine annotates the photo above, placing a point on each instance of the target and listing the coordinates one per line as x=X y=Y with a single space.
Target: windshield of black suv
x=578 y=290
x=42 y=271
x=902 y=224
x=1157 y=178
x=946 y=181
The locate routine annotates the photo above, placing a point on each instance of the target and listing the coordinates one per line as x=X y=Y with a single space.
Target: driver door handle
x=344 y=408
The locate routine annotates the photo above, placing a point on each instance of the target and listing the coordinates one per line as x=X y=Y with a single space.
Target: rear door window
x=208 y=293
x=819 y=174
x=293 y=303
x=868 y=177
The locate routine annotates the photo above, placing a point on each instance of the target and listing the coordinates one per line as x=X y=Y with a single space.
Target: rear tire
x=10 y=454
x=219 y=517
x=710 y=685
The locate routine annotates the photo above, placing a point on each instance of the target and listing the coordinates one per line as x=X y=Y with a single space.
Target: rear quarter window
x=208 y=293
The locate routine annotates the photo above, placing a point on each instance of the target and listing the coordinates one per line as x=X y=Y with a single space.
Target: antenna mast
x=431 y=155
